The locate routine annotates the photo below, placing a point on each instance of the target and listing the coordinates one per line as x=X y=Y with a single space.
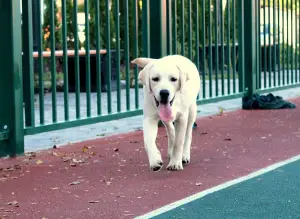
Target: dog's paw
x=156 y=167
x=175 y=165
x=186 y=159
x=155 y=161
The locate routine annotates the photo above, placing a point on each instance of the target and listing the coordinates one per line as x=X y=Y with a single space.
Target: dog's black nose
x=164 y=96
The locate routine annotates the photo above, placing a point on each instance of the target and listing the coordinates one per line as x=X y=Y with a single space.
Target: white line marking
x=217 y=188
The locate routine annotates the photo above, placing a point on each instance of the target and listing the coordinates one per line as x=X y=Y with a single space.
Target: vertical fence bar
x=182 y=22
x=234 y=46
x=146 y=28
x=222 y=48
x=136 y=50
x=203 y=52
x=174 y=25
x=117 y=26
x=259 y=46
x=265 y=47
x=210 y=48
x=28 y=79
x=158 y=24
x=108 y=55
x=190 y=29
x=11 y=88
x=274 y=43
x=53 y=61
x=241 y=38
x=287 y=46
x=296 y=50
x=269 y=44
x=40 y=66
x=279 y=57
x=65 y=58
x=283 y=45
x=228 y=47
x=127 y=70
x=169 y=27
x=98 y=58
x=216 y=47
x=251 y=39
x=292 y=43
x=196 y=19
x=76 y=58
x=87 y=59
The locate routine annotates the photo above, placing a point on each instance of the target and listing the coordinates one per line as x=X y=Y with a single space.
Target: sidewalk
x=110 y=178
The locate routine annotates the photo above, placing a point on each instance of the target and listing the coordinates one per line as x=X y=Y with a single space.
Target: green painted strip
x=53 y=61
x=108 y=56
x=41 y=68
x=216 y=48
x=174 y=25
x=127 y=61
x=203 y=51
x=28 y=74
x=136 y=51
x=76 y=59
x=98 y=58
x=65 y=60
x=222 y=49
x=210 y=49
x=182 y=22
x=87 y=59
x=190 y=29
x=118 y=46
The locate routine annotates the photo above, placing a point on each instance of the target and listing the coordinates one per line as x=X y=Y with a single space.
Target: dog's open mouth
x=157 y=102
x=165 y=111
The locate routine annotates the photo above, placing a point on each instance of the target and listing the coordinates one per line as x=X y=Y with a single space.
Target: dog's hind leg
x=186 y=155
x=171 y=136
x=150 y=133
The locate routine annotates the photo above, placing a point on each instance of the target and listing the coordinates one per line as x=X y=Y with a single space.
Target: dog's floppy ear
x=145 y=78
x=182 y=78
x=142 y=62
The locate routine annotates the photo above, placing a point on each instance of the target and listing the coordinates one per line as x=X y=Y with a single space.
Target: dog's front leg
x=150 y=134
x=171 y=137
x=176 y=158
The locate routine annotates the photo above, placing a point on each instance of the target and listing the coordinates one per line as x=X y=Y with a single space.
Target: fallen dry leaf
x=55 y=188
x=38 y=162
x=13 y=203
x=74 y=183
x=66 y=159
x=85 y=149
x=93 y=201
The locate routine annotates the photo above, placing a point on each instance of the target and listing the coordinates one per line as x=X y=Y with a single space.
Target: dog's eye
x=156 y=79
x=173 y=79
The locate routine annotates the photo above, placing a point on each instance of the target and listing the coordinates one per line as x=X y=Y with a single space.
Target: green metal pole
x=11 y=86
x=158 y=28
x=251 y=39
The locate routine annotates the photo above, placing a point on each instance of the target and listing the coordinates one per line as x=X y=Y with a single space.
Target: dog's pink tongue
x=165 y=112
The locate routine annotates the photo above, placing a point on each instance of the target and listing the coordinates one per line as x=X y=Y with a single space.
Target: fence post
x=158 y=28
x=250 y=39
x=11 y=93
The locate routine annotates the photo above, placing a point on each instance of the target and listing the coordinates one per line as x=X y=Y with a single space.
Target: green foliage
x=46 y=26
x=289 y=55
x=70 y=25
x=103 y=25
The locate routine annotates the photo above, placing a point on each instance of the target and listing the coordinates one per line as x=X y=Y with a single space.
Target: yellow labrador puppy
x=171 y=86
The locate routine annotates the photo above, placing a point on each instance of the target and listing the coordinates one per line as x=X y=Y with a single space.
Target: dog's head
x=163 y=80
